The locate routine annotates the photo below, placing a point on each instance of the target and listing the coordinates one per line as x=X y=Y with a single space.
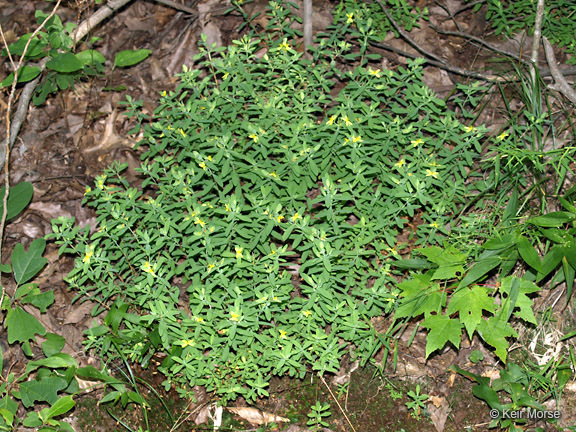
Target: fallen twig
x=560 y=82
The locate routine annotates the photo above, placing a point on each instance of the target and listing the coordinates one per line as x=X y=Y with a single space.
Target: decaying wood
x=560 y=82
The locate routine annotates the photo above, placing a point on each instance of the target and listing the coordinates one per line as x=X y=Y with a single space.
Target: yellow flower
x=239 y=251
x=356 y=139
x=210 y=158
x=502 y=136
x=254 y=137
x=198 y=319
x=211 y=266
x=347 y=121
x=295 y=217
x=89 y=253
x=88 y=190
x=400 y=163
x=375 y=72
x=469 y=129
x=430 y=173
x=202 y=165
x=227 y=207
x=282 y=334
x=331 y=120
x=350 y=18
x=306 y=313
x=198 y=221
x=273 y=174
x=234 y=316
x=163 y=94
x=279 y=218
x=182 y=132
x=148 y=268
x=284 y=46
x=434 y=225
x=184 y=343
x=417 y=142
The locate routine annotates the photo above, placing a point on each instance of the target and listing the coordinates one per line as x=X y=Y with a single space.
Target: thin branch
x=536 y=39
x=560 y=82
x=479 y=41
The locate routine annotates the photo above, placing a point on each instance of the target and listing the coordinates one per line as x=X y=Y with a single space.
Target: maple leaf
x=419 y=296
x=469 y=303
x=494 y=331
x=521 y=303
x=443 y=329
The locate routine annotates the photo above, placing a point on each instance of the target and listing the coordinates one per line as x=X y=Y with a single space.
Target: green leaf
x=25 y=73
x=550 y=261
x=469 y=303
x=517 y=289
x=53 y=344
x=478 y=270
x=554 y=219
x=90 y=57
x=27 y=264
x=528 y=254
x=20 y=196
x=494 y=331
x=22 y=326
x=497 y=243
x=45 y=390
x=65 y=63
x=443 y=329
x=56 y=361
x=61 y=406
x=130 y=57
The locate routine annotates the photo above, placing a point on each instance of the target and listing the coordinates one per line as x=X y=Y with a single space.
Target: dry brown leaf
x=257 y=417
x=439 y=410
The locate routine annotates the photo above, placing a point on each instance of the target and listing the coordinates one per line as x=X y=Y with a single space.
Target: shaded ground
x=75 y=135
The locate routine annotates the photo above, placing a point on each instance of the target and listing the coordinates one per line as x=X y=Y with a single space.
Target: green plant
x=514 y=397
x=48 y=374
x=55 y=45
x=318 y=413
x=417 y=401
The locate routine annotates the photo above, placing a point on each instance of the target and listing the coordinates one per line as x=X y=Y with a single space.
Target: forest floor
x=65 y=143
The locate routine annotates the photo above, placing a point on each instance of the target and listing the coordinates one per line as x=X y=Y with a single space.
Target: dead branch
x=560 y=82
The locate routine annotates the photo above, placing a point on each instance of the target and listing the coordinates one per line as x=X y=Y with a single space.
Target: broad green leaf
x=518 y=288
x=90 y=57
x=528 y=254
x=32 y=420
x=45 y=390
x=42 y=300
x=25 y=73
x=569 y=275
x=65 y=63
x=8 y=416
x=443 y=329
x=53 y=344
x=478 y=270
x=484 y=392
x=58 y=360
x=27 y=264
x=22 y=326
x=61 y=406
x=503 y=242
x=35 y=48
x=567 y=205
x=550 y=261
x=494 y=331
x=20 y=196
x=469 y=303
x=551 y=220
x=130 y=57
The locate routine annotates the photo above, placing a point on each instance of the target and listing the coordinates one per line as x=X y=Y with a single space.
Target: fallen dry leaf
x=438 y=410
x=257 y=417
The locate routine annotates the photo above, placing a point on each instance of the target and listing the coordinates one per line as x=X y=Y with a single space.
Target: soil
x=70 y=139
